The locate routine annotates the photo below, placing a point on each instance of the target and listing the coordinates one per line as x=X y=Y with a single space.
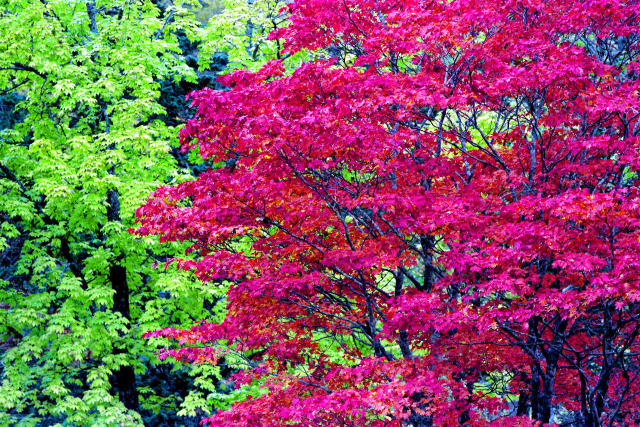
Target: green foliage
x=84 y=82
x=240 y=31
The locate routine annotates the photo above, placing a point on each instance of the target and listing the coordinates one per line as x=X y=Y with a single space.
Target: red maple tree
x=442 y=216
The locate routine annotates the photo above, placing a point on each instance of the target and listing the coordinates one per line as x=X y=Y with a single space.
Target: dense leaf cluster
x=436 y=221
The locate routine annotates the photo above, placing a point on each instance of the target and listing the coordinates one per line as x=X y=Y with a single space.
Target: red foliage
x=443 y=217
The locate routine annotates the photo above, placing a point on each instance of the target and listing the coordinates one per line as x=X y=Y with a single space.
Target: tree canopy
x=435 y=221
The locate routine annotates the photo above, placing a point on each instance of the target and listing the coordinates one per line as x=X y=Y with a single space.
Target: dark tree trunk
x=428 y=243
x=543 y=381
x=123 y=380
x=523 y=404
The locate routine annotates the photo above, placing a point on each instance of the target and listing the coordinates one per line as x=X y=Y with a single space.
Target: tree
x=86 y=144
x=443 y=216
x=240 y=31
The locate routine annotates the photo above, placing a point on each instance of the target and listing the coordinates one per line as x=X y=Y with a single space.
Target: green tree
x=85 y=146
x=241 y=30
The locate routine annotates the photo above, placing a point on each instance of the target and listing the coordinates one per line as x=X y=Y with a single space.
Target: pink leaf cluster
x=436 y=223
